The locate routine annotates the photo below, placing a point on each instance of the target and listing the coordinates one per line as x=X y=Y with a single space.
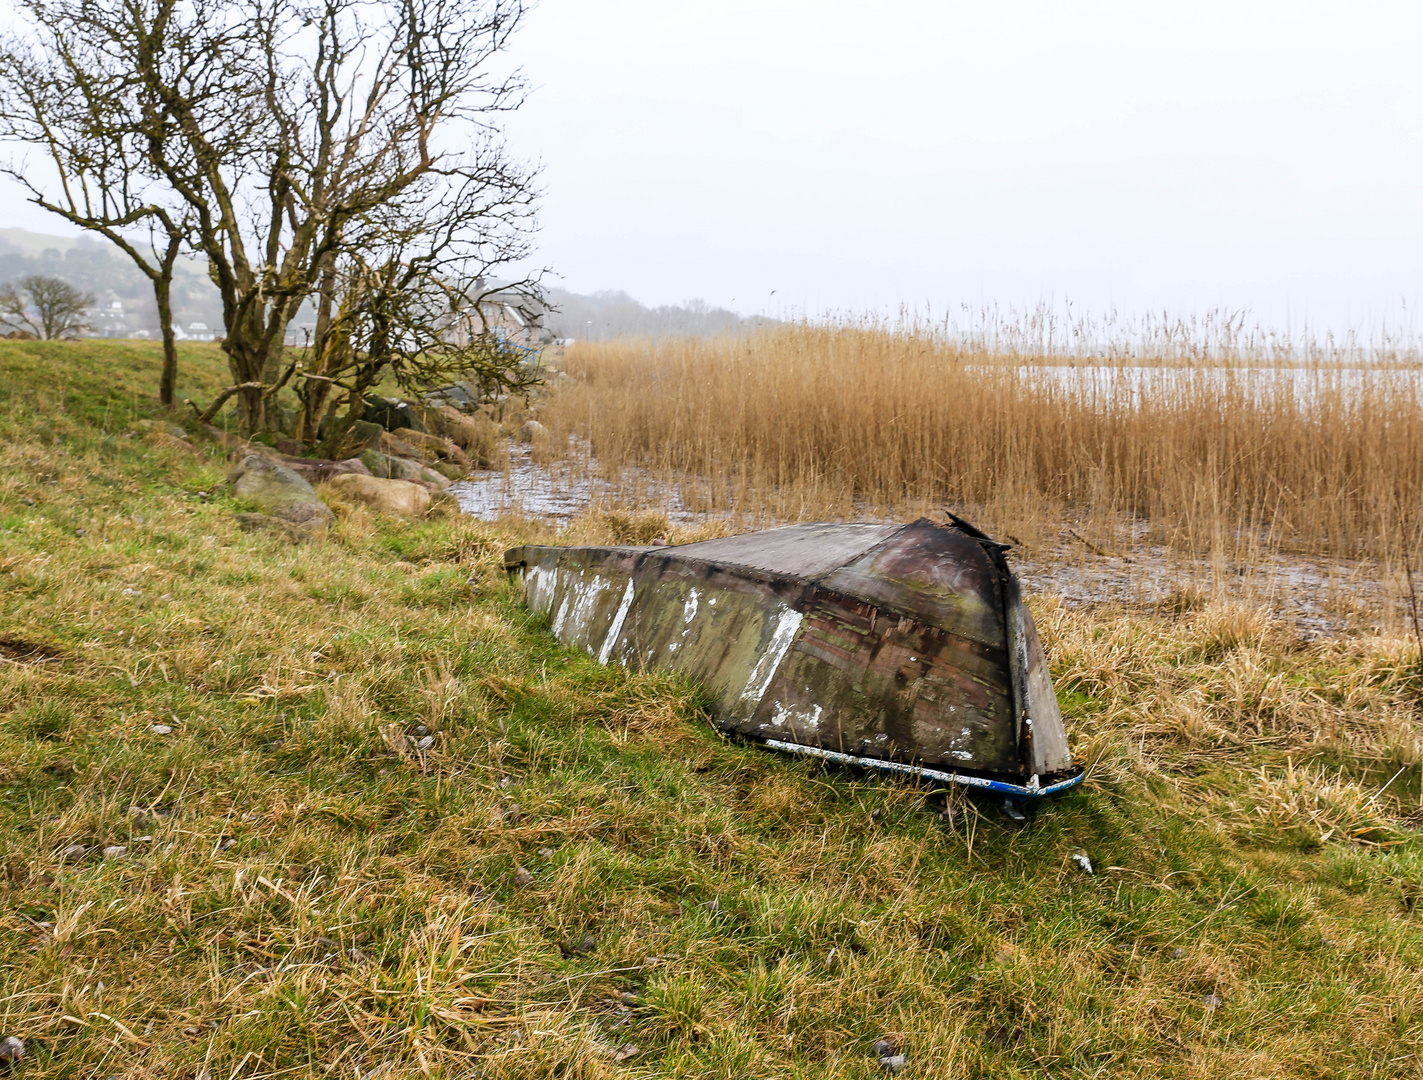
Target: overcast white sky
x=856 y=156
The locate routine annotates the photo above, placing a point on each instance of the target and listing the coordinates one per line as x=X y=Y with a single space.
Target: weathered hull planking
x=904 y=647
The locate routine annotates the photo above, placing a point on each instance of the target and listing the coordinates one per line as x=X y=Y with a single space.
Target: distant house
x=196 y=332
x=108 y=319
x=508 y=316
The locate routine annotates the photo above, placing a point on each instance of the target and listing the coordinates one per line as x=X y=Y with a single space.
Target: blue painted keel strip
x=1030 y=790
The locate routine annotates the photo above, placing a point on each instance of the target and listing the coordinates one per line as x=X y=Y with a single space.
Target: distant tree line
x=611 y=314
x=98 y=269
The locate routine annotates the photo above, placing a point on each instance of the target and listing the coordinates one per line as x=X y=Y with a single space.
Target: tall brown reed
x=812 y=421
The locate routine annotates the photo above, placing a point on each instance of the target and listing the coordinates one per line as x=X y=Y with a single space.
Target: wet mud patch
x=24 y=651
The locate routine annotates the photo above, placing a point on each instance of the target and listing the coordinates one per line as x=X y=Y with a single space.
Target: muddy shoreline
x=1320 y=597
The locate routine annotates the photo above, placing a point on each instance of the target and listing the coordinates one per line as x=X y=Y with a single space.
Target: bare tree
x=285 y=130
x=399 y=319
x=48 y=307
x=87 y=120
x=404 y=294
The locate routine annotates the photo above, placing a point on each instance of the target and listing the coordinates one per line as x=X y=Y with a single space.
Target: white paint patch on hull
x=578 y=606
x=615 y=631
x=539 y=587
x=787 y=624
x=801 y=722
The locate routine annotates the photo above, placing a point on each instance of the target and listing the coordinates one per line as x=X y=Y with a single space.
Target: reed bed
x=1318 y=456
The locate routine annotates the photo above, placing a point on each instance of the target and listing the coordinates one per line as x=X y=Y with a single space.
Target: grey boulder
x=279 y=492
x=314 y=470
x=389 y=467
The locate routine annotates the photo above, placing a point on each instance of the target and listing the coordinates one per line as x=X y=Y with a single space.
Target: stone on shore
x=392 y=445
x=314 y=470
x=477 y=435
x=279 y=492
x=388 y=496
x=362 y=435
x=391 y=413
x=435 y=445
x=389 y=467
x=437 y=480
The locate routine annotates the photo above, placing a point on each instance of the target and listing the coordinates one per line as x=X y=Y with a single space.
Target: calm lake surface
x=1109 y=384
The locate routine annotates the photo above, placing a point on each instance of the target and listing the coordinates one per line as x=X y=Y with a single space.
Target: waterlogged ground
x=1317 y=597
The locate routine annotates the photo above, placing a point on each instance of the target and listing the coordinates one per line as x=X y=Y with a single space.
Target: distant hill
x=96 y=266
x=611 y=314
x=32 y=243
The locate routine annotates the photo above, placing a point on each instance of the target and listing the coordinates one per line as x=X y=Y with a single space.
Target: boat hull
x=902 y=647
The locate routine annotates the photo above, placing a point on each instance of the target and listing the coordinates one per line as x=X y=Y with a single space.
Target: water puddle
x=560 y=491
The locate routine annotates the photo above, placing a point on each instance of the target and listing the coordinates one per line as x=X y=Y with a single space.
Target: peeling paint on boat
x=787 y=623
x=905 y=647
x=616 y=629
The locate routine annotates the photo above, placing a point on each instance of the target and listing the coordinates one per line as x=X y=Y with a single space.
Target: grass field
x=578 y=863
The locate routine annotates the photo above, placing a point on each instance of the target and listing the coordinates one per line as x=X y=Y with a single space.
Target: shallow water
x=1107 y=384
x=1319 y=597
x=558 y=492
x=524 y=490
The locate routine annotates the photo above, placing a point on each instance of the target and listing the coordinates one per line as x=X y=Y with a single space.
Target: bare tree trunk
x=317 y=393
x=251 y=410
x=336 y=432
x=272 y=365
x=247 y=374
x=168 y=381
x=318 y=390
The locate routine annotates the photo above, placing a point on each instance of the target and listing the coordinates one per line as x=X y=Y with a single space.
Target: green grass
x=305 y=892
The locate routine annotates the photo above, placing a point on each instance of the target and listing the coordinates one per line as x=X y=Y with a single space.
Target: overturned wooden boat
x=902 y=647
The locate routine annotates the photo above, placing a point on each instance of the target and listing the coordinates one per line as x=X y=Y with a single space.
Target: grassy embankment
x=304 y=894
